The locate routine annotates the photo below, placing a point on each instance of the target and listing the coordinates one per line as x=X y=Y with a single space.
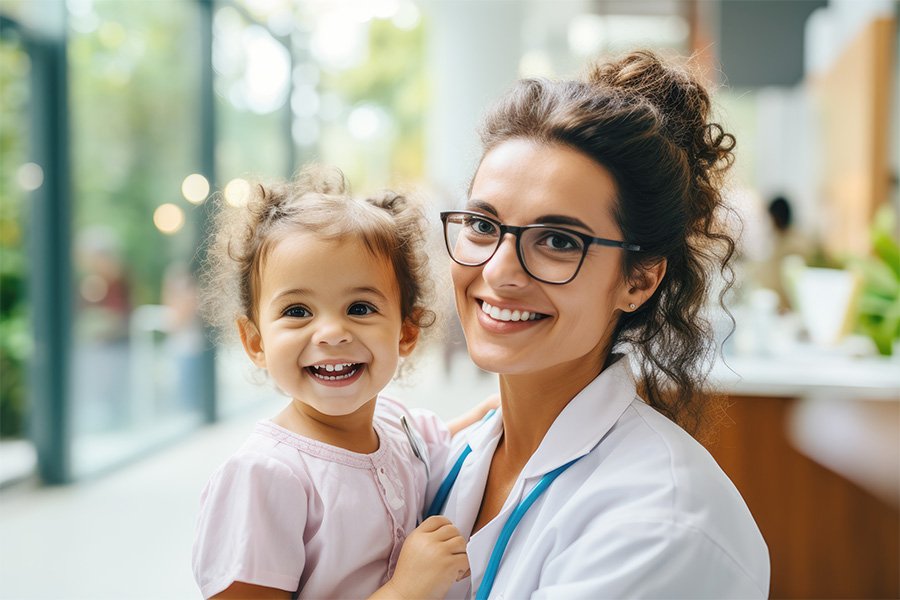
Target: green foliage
x=15 y=343
x=879 y=303
x=392 y=77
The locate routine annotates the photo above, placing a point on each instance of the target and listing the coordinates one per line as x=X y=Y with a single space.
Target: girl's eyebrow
x=369 y=290
x=543 y=219
x=291 y=292
x=308 y=292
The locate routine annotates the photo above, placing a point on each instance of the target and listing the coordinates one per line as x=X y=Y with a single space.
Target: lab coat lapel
x=584 y=421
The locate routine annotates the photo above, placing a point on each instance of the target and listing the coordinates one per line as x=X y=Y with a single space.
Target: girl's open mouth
x=336 y=374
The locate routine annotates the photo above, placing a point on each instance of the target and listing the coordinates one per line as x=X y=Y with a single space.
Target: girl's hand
x=474 y=415
x=431 y=560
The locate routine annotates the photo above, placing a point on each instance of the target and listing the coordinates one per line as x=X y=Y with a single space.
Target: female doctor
x=592 y=230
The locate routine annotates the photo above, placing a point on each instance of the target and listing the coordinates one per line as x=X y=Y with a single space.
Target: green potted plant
x=878 y=309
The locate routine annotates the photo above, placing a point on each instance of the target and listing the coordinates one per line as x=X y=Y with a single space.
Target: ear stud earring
x=632 y=306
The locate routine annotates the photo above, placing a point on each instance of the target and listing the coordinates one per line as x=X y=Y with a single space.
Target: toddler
x=320 y=501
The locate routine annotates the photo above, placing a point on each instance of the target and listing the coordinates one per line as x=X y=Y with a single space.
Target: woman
x=592 y=228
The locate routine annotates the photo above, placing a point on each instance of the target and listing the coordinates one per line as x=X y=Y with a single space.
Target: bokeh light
x=195 y=188
x=237 y=192
x=30 y=176
x=168 y=218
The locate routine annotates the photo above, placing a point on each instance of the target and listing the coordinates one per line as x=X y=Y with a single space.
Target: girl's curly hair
x=317 y=200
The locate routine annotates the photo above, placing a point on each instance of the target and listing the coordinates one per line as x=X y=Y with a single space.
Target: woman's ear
x=251 y=339
x=409 y=337
x=643 y=285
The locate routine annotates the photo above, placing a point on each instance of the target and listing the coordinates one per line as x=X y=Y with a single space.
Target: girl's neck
x=353 y=432
x=531 y=403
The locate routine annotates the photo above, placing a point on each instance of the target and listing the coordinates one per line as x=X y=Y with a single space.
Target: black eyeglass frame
x=517 y=230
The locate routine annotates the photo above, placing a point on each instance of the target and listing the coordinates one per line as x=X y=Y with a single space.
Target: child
x=319 y=501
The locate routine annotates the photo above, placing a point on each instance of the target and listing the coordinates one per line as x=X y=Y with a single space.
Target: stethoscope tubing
x=440 y=501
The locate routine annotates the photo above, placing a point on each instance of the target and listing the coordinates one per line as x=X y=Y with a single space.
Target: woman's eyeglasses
x=548 y=253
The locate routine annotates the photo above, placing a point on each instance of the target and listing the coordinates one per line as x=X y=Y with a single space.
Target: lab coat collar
x=585 y=419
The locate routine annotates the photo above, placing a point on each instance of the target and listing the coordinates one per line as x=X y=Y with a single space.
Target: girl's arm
x=246 y=591
x=473 y=416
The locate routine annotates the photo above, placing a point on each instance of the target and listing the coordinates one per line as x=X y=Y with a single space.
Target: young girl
x=321 y=500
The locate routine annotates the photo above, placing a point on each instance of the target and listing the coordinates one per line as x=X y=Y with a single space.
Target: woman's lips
x=505 y=320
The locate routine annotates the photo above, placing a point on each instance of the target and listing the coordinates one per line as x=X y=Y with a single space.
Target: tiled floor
x=128 y=534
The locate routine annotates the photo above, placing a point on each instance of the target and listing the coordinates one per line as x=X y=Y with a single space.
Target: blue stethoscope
x=440 y=500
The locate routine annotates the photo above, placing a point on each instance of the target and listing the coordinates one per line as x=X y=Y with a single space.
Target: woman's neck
x=531 y=402
x=353 y=432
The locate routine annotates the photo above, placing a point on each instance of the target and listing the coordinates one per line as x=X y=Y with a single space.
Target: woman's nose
x=504 y=268
x=331 y=332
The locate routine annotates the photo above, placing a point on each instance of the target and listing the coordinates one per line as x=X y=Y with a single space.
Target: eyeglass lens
x=548 y=254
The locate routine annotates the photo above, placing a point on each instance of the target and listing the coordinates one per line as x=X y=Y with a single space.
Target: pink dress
x=288 y=512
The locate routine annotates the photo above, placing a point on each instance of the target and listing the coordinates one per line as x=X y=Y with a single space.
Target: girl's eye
x=361 y=309
x=297 y=312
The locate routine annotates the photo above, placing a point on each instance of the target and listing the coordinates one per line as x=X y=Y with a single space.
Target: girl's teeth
x=320 y=370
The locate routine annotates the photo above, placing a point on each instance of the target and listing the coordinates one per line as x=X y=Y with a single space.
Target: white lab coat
x=645 y=513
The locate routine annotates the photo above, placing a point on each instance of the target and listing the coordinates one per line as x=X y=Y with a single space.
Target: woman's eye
x=361 y=309
x=481 y=226
x=561 y=241
x=297 y=311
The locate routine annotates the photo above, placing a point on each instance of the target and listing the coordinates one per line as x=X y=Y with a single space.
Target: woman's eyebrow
x=475 y=204
x=563 y=220
x=482 y=205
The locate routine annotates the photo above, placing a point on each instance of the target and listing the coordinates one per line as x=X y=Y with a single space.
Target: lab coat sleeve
x=250 y=529
x=644 y=559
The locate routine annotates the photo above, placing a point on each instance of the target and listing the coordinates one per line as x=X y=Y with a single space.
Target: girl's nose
x=331 y=332
x=504 y=269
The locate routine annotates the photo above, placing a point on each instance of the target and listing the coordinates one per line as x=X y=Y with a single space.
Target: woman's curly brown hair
x=648 y=123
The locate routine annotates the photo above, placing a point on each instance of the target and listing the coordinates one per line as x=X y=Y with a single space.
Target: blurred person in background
x=786 y=240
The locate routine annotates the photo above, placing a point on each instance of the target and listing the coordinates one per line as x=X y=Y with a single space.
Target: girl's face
x=329 y=328
x=520 y=182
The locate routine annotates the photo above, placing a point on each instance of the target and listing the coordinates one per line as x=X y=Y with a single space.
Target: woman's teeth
x=504 y=314
x=340 y=371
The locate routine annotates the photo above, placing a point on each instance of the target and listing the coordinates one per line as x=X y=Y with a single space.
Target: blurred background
x=119 y=119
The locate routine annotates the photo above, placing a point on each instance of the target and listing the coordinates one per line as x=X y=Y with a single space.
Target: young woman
x=587 y=246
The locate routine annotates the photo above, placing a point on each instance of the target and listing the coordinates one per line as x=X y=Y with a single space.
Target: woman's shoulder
x=648 y=470
x=646 y=451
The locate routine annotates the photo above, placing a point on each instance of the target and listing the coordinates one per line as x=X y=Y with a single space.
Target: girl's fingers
x=456 y=545
x=434 y=523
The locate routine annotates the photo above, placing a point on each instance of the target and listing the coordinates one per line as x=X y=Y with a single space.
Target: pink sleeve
x=437 y=441
x=250 y=529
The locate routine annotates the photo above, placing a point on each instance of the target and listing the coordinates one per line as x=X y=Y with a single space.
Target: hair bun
x=680 y=99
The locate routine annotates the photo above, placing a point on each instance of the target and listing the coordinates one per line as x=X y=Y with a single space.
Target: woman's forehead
x=525 y=180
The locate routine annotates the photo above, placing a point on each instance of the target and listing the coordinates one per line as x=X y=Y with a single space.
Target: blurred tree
x=392 y=77
x=15 y=342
